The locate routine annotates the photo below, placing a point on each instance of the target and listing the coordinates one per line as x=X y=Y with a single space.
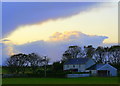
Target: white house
x=78 y=64
x=88 y=65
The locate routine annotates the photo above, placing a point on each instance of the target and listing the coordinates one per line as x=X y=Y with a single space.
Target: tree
x=57 y=66
x=17 y=63
x=99 y=55
x=89 y=50
x=114 y=56
x=35 y=61
x=72 y=52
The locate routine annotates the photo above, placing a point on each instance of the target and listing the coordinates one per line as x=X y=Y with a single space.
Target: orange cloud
x=63 y=36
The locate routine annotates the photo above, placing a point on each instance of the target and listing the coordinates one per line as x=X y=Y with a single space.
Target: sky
x=48 y=28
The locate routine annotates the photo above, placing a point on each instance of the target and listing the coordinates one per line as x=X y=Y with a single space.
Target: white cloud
x=54 y=49
x=42 y=38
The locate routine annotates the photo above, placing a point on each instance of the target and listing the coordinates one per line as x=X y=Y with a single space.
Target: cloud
x=38 y=12
x=79 y=37
x=5 y=40
x=52 y=37
x=6 y=50
x=58 y=43
x=92 y=22
x=65 y=36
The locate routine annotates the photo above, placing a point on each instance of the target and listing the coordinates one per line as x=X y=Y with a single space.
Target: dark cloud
x=22 y=13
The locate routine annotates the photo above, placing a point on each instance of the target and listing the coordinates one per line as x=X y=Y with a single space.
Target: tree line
x=100 y=54
x=18 y=63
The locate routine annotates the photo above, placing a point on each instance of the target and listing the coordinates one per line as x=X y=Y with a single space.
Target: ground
x=82 y=80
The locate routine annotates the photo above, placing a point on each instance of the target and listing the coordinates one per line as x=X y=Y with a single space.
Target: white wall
x=81 y=68
x=67 y=67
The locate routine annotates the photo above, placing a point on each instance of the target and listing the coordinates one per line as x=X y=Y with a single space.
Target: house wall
x=93 y=72
x=67 y=67
x=89 y=63
x=81 y=68
x=113 y=71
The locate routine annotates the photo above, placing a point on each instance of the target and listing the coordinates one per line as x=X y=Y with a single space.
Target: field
x=82 y=80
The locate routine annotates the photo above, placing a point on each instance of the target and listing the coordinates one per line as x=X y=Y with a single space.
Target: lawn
x=82 y=80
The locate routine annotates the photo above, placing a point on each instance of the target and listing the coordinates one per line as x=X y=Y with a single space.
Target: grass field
x=82 y=80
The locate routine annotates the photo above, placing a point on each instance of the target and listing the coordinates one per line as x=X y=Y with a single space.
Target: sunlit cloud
x=10 y=50
x=64 y=36
x=78 y=37
x=57 y=44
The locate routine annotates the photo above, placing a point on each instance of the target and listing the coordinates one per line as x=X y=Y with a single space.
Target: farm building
x=88 y=65
x=103 y=70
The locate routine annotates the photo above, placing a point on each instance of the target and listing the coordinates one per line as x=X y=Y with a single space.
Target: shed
x=103 y=70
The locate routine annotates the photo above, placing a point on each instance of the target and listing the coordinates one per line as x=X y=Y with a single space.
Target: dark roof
x=76 y=61
x=95 y=67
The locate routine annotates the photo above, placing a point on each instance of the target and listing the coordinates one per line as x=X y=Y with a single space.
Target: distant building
x=89 y=66
x=103 y=70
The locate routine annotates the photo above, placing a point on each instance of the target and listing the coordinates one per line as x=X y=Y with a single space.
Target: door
x=103 y=73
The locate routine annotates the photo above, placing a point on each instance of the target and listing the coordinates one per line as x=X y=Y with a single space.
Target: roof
x=95 y=67
x=76 y=61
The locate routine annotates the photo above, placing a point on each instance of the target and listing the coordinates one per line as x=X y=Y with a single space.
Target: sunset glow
x=57 y=25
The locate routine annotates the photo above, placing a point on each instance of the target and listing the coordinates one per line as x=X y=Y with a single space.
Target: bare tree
x=72 y=52
x=17 y=63
x=99 y=55
x=114 y=56
x=35 y=61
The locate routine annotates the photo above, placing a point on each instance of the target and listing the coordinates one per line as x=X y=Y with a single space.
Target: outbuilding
x=102 y=70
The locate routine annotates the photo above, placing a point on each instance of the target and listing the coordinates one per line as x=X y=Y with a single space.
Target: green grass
x=82 y=80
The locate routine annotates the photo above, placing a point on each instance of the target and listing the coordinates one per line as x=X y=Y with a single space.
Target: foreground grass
x=82 y=80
